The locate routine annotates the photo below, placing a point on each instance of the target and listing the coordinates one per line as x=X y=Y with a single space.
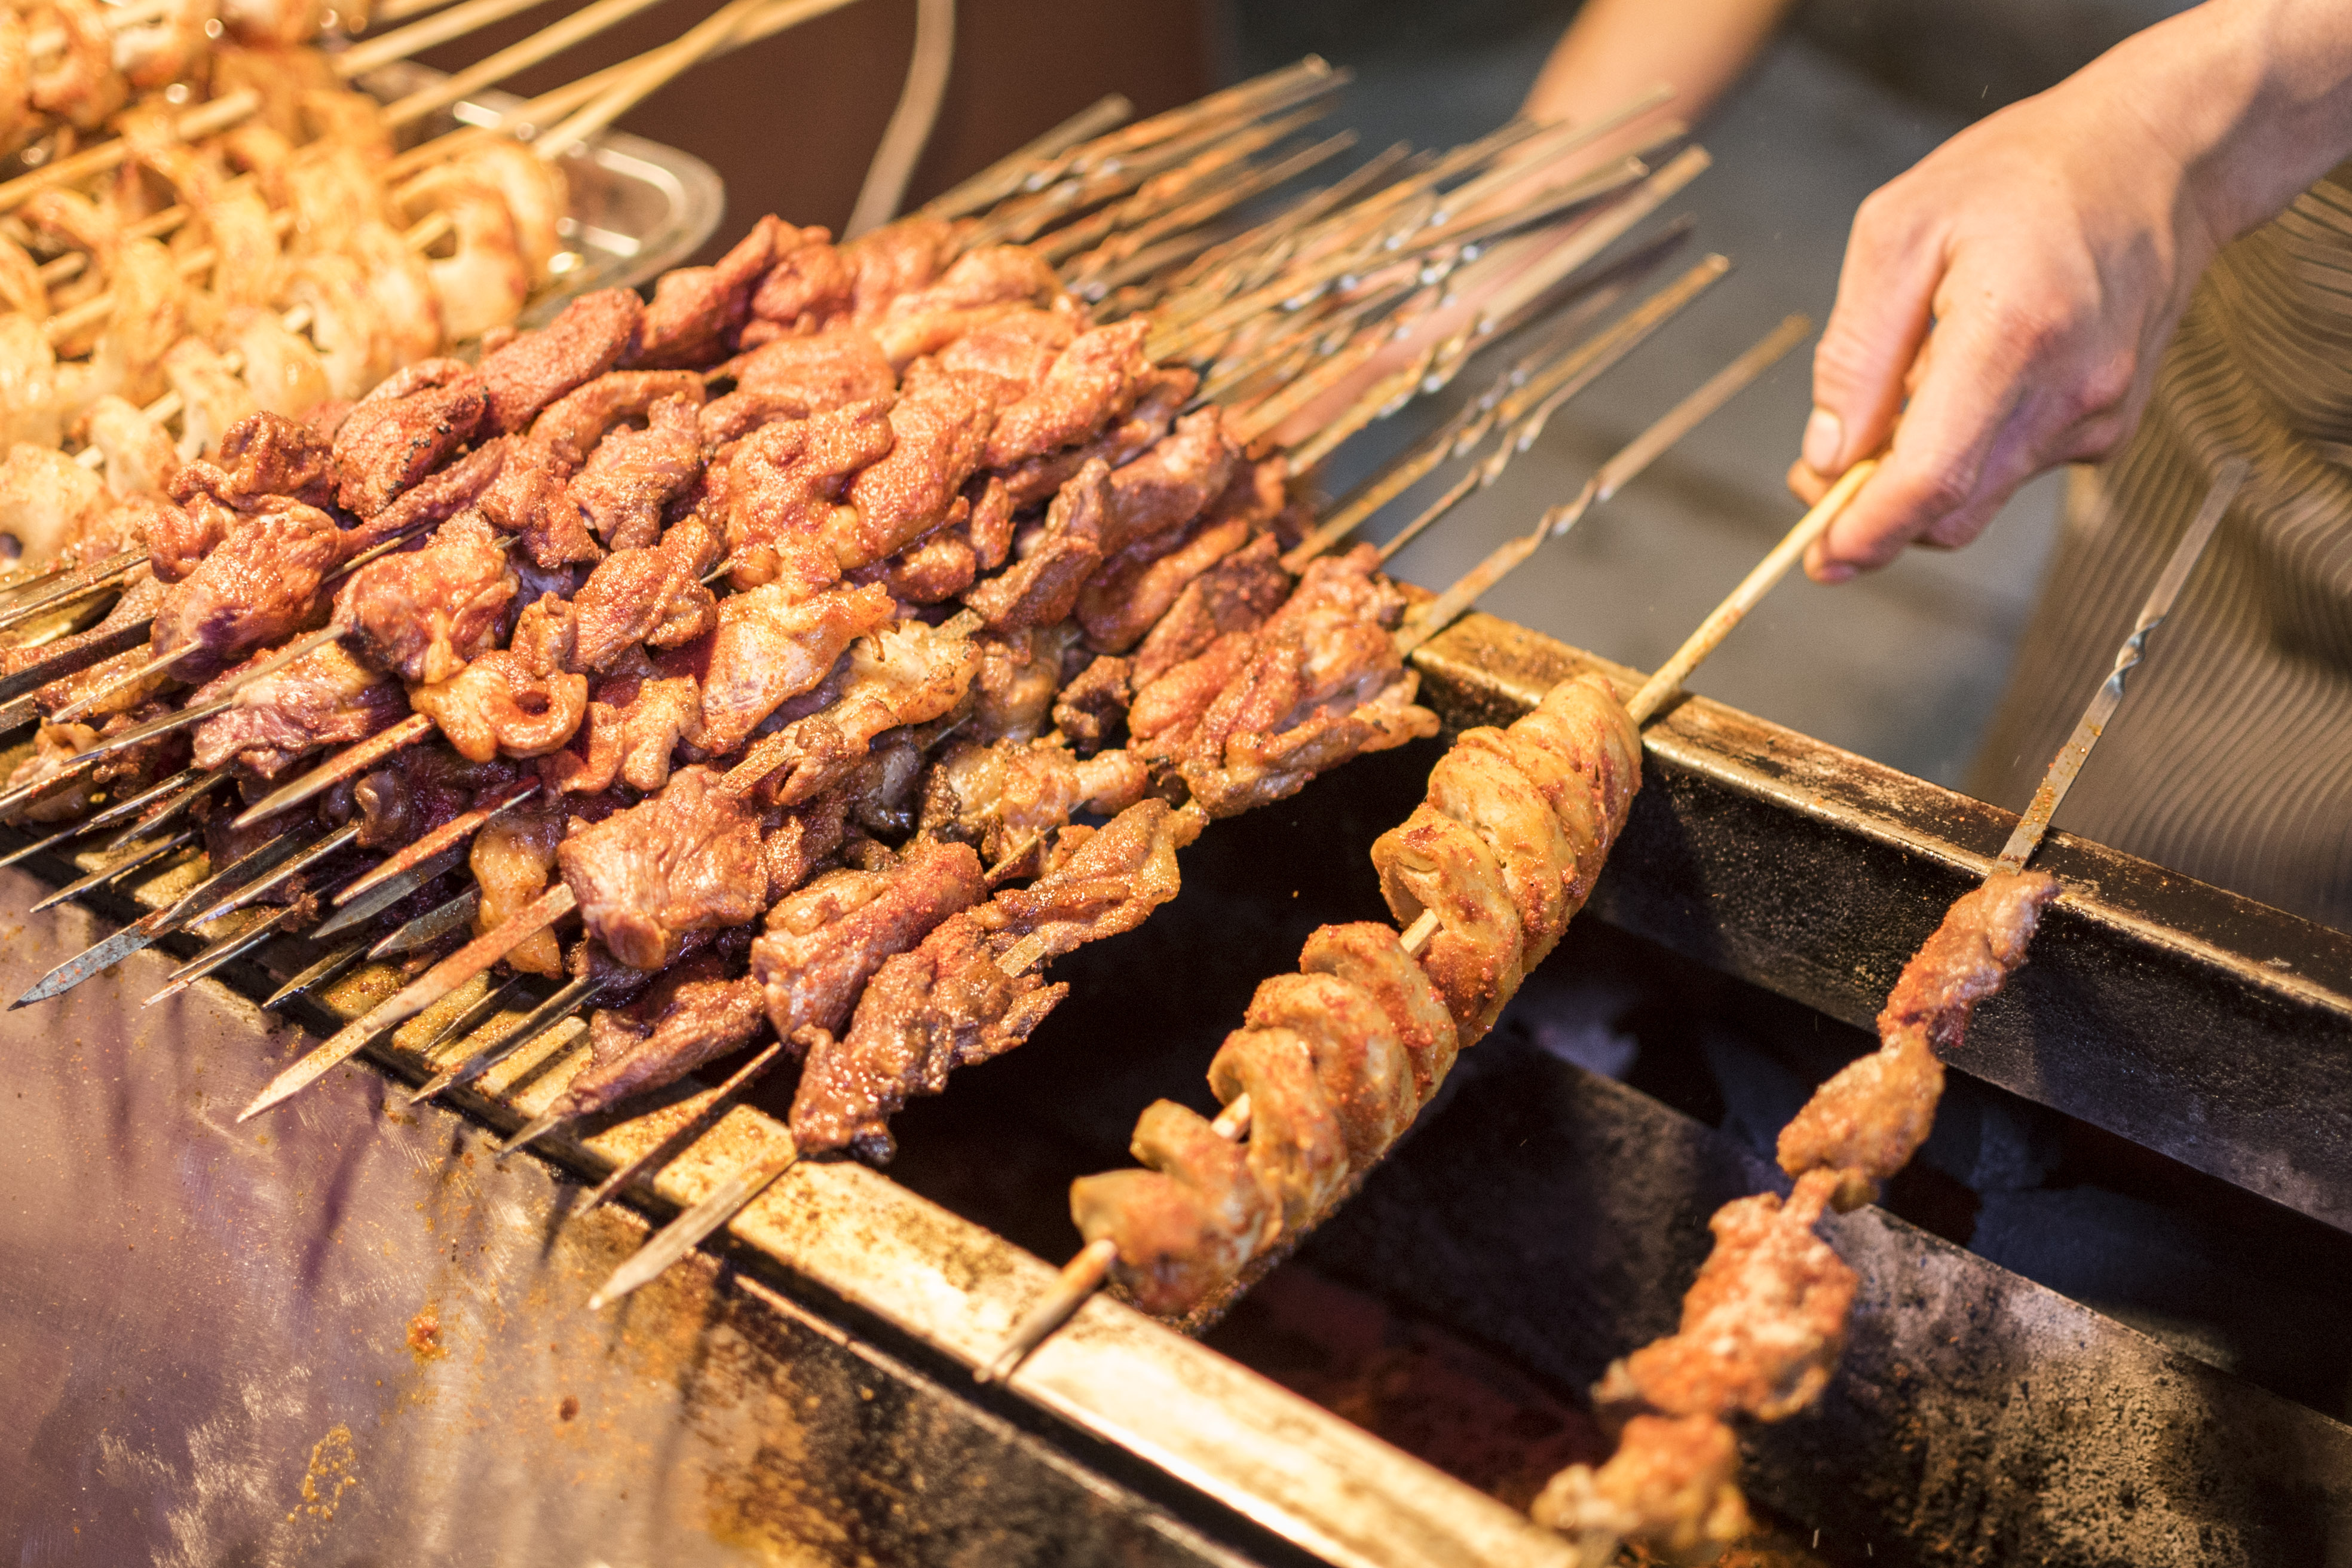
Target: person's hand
x=2010 y=297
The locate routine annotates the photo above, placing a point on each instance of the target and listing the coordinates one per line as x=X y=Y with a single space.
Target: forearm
x=1616 y=48
x=2255 y=96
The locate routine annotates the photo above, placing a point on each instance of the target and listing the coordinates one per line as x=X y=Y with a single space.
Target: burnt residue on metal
x=1976 y=1418
x=2189 y=1020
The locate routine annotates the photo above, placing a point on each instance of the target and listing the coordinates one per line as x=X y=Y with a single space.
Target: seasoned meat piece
x=531 y=498
x=635 y=596
x=1013 y=693
x=420 y=788
x=1090 y=709
x=259 y=585
x=1006 y=798
x=905 y=674
x=1432 y=862
x=499 y=705
x=422 y=614
x=326 y=698
x=930 y=573
x=512 y=859
x=633 y=475
x=939 y=432
x=1258 y=769
x=1132 y=594
x=798 y=846
x=1187 y=1223
x=1091 y=383
x=576 y=422
x=266 y=454
x=1297 y=1150
x=990 y=527
x=823 y=943
x=141 y=597
x=653 y=719
x=688 y=860
x=837 y=367
x=1669 y=1488
x=54 y=748
x=698 y=312
x=437 y=498
x=769 y=647
x=1371 y=958
x=399 y=432
x=1478 y=783
x=896 y=258
x=180 y=537
x=692 y=1014
x=1365 y=1071
x=966 y=993
x=1043 y=587
x=1016 y=352
x=784 y=493
x=1763 y=1325
x=992 y=275
x=807 y=285
x=1160 y=396
x=1867 y=1122
x=1166 y=487
x=587 y=338
x=1236 y=595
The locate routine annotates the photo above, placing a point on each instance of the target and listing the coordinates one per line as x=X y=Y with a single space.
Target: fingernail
x=1824 y=438
x=1834 y=571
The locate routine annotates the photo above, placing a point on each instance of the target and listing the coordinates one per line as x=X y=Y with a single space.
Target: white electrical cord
x=911 y=123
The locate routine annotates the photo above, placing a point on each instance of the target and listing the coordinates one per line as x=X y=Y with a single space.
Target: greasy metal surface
x=1976 y=1418
x=908 y=1267
x=2206 y=1026
x=348 y=1336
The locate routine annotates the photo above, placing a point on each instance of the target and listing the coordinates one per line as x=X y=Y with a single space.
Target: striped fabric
x=2231 y=758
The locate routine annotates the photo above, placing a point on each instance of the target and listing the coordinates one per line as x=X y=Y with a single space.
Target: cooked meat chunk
x=1015 y=353
x=1867 y=1122
x=418 y=790
x=1371 y=958
x=259 y=585
x=122 y=528
x=576 y=422
x=1432 y=862
x=47 y=500
x=531 y=498
x=1478 y=783
x=1166 y=487
x=1363 y=1069
x=806 y=286
x=905 y=674
x=692 y=1014
x=266 y=454
x=1160 y=397
x=399 y=432
x=824 y=942
x=1044 y=585
x=796 y=378
x=929 y=572
x=769 y=647
x=1091 y=383
x=1133 y=593
x=1008 y=797
x=633 y=475
x=587 y=338
x=499 y=705
x=54 y=748
x=784 y=490
x=896 y=258
x=1187 y=1223
x=1091 y=709
x=688 y=860
x=967 y=993
x=698 y=312
x=652 y=597
x=939 y=432
x=140 y=455
x=141 y=597
x=1669 y=1487
x=1236 y=595
x=1013 y=695
x=511 y=860
x=1763 y=1325
x=422 y=614
x=326 y=698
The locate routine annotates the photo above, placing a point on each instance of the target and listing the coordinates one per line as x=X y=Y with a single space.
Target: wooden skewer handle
x=1661 y=688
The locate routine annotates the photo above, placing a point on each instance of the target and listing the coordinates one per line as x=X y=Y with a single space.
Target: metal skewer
x=670 y=1148
x=566 y=1000
x=384 y=894
x=686 y=1232
x=329 y=969
x=431 y=926
x=2068 y=763
x=450 y=833
x=1612 y=476
x=115 y=870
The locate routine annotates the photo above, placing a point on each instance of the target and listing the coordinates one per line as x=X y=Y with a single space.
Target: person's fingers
x=1806 y=484
x=1885 y=292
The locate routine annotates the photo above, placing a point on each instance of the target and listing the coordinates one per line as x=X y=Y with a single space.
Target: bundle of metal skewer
x=784 y=633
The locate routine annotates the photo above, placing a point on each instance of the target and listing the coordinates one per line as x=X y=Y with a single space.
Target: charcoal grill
x=343 y=1333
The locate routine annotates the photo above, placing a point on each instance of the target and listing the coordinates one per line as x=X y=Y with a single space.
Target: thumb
x=1886 y=288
